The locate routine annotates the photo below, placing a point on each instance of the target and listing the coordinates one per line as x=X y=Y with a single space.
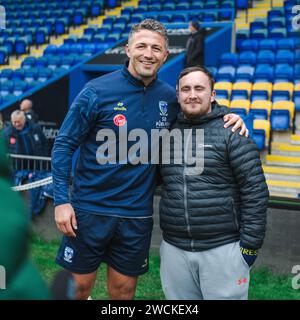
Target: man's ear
x=127 y=50
x=166 y=56
x=177 y=94
x=213 y=96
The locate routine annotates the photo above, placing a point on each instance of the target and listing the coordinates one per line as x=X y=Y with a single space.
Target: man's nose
x=148 y=53
x=193 y=94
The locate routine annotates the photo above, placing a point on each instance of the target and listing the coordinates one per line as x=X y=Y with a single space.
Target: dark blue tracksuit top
x=112 y=101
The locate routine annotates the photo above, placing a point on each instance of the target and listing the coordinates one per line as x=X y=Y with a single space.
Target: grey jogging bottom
x=216 y=274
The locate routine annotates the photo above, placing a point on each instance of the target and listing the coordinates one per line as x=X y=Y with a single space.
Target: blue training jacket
x=111 y=102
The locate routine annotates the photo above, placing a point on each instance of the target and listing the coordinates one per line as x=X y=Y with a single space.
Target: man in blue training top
x=107 y=217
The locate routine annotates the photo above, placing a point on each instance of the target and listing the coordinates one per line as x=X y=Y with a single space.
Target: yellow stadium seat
x=242 y=104
x=262 y=104
x=223 y=85
x=243 y=86
x=285 y=105
x=286 y=86
x=297 y=87
x=264 y=125
x=223 y=102
x=263 y=86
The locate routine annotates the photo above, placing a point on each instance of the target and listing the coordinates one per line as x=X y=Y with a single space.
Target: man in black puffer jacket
x=213 y=215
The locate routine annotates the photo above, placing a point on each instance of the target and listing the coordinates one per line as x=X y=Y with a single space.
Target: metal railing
x=34 y=163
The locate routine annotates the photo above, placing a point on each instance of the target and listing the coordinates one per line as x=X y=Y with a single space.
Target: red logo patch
x=120 y=120
x=12 y=140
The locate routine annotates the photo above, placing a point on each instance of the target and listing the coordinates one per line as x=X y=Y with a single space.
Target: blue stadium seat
x=22 y=45
x=6 y=74
x=61 y=26
x=259 y=137
x=277 y=22
x=89 y=49
x=213 y=71
x=63 y=49
x=280 y=95
x=287 y=44
x=241 y=4
x=296 y=100
x=267 y=44
x=228 y=58
x=241 y=36
x=99 y=38
x=258 y=24
x=280 y=119
x=67 y=62
x=8 y=97
x=76 y=48
x=85 y=39
x=283 y=73
x=259 y=95
x=247 y=58
x=44 y=74
x=265 y=56
x=244 y=73
x=297 y=56
x=259 y=114
x=222 y=94
x=19 y=88
x=41 y=62
x=297 y=72
x=285 y=56
x=277 y=33
x=30 y=74
x=71 y=39
x=210 y=17
x=54 y=62
x=263 y=73
x=4 y=57
x=28 y=62
x=90 y=30
x=239 y=111
x=6 y=88
x=96 y=9
x=79 y=16
x=50 y=50
x=226 y=73
x=278 y=12
x=179 y=18
x=249 y=45
x=42 y=36
x=18 y=74
x=259 y=34
x=239 y=94
x=183 y=6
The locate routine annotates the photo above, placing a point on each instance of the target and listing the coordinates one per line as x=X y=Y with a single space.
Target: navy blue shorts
x=123 y=243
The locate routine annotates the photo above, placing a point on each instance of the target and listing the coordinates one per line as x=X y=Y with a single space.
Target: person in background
x=213 y=217
x=195 y=45
x=27 y=107
x=24 y=136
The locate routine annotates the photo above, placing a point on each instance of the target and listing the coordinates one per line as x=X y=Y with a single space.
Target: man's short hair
x=28 y=101
x=186 y=71
x=152 y=25
x=195 y=24
x=17 y=114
